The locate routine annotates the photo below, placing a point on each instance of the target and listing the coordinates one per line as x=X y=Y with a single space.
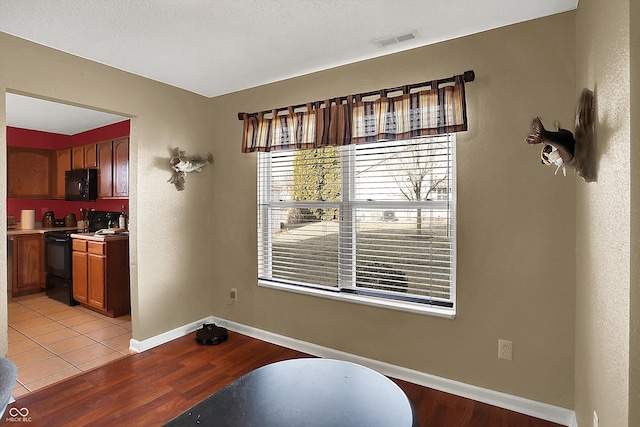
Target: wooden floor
x=151 y=388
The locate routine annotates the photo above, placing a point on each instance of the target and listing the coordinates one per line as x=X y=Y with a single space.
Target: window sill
x=448 y=313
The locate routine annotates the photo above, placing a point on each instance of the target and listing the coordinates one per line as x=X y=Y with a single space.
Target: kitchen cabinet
x=105 y=169
x=77 y=157
x=29 y=173
x=121 y=167
x=39 y=174
x=101 y=275
x=90 y=156
x=80 y=277
x=113 y=168
x=84 y=156
x=28 y=264
x=62 y=164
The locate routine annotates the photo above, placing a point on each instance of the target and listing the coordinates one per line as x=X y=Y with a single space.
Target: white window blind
x=376 y=219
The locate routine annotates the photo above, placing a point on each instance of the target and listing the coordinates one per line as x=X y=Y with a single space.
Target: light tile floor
x=50 y=341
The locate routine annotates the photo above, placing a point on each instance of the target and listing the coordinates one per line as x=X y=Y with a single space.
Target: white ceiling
x=214 y=47
x=38 y=114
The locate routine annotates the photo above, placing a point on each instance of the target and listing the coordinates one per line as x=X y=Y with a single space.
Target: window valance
x=405 y=112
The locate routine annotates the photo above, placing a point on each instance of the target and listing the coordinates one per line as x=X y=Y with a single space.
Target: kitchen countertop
x=41 y=230
x=79 y=235
x=100 y=237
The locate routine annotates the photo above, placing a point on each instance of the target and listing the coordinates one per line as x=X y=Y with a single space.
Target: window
x=373 y=223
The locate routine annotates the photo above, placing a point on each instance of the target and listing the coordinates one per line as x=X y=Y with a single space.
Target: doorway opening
x=50 y=340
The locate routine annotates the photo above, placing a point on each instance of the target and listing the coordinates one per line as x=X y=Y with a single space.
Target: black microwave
x=81 y=185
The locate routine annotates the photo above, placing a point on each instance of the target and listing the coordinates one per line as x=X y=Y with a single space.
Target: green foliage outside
x=316 y=177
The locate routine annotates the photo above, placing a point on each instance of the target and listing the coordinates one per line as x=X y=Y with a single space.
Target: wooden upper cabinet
x=34 y=173
x=77 y=157
x=121 y=167
x=84 y=156
x=90 y=156
x=29 y=173
x=113 y=168
x=62 y=164
x=105 y=169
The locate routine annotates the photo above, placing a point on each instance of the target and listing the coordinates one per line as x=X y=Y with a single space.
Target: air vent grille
x=387 y=41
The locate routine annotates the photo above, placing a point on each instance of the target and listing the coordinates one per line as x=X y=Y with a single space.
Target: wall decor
x=563 y=148
x=182 y=165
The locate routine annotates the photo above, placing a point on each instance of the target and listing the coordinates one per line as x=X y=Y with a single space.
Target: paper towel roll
x=27 y=219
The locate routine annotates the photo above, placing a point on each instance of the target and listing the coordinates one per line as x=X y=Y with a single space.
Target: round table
x=305 y=392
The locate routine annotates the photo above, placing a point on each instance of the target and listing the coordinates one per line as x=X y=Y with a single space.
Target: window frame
x=347 y=228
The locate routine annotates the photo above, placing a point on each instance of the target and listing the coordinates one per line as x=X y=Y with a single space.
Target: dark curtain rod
x=468 y=76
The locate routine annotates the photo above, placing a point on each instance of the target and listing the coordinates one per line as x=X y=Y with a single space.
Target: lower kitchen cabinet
x=28 y=264
x=101 y=275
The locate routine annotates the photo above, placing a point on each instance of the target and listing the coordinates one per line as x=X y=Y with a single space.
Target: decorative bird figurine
x=562 y=148
x=183 y=165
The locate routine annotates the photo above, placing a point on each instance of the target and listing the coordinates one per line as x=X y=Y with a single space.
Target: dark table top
x=305 y=392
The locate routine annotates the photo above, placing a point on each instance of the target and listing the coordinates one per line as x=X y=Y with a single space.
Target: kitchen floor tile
x=54 y=378
x=16 y=308
x=78 y=320
x=126 y=325
x=120 y=343
x=25 y=299
x=30 y=323
x=45 y=328
x=49 y=308
x=17 y=316
x=31 y=357
x=86 y=354
x=51 y=341
x=103 y=360
x=19 y=390
x=56 y=336
x=15 y=336
x=42 y=369
x=39 y=303
x=66 y=313
x=21 y=346
x=71 y=344
x=122 y=319
x=91 y=326
x=108 y=333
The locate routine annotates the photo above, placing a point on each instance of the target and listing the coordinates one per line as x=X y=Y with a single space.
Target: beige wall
x=634 y=324
x=516 y=233
x=606 y=244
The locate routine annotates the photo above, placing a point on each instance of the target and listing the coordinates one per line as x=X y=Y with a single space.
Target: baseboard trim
x=529 y=407
x=140 y=346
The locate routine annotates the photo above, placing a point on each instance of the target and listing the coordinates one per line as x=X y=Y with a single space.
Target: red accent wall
x=52 y=141
x=18 y=137
x=62 y=207
x=116 y=130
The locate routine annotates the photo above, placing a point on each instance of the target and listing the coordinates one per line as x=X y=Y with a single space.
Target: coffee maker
x=48 y=220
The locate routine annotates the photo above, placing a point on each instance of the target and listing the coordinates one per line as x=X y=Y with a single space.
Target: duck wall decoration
x=563 y=148
x=182 y=165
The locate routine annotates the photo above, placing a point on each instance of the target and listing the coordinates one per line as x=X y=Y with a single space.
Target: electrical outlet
x=233 y=294
x=505 y=350
x=595 y=419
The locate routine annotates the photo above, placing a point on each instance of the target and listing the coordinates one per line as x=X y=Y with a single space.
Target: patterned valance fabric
x=438 y=110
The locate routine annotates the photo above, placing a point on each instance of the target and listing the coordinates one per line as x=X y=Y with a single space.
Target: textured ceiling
x=214 y=47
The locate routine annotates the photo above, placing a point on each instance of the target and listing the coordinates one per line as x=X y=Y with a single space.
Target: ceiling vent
x=396 y=39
